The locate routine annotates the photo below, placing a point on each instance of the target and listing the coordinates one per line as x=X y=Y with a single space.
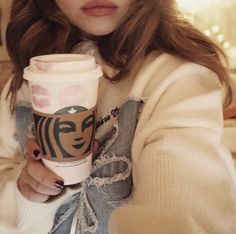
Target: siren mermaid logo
x=67 y=134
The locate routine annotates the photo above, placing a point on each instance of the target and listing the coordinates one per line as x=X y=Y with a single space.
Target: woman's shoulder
x=166 y=65
x=173 y=64
x=162 y=70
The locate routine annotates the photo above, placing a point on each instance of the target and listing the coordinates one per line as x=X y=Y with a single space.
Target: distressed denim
x=110 y=183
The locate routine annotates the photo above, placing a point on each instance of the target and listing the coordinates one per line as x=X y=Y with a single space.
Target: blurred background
x=216 y=18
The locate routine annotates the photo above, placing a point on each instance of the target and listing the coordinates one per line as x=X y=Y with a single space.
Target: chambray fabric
x=110 y=183
x=24 y=119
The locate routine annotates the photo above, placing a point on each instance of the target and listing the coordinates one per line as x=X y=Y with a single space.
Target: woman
x=159 y=109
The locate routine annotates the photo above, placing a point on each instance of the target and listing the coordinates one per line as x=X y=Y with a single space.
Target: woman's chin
x=99 y=31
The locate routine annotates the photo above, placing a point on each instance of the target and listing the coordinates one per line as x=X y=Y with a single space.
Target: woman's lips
x=99 y=8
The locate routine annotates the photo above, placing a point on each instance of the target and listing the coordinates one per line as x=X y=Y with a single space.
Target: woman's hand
x=36 y=182
x=230 y=112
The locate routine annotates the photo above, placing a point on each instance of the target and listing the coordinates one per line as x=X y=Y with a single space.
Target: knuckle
x=26 y=192
x=37 y=187
x=32 y=167
x=27 y=147
x=48 y=178
x=44 y=179
x=29 y=165
x=30 y=196
x=26 y=169
x=30 y=142
x=22 y=180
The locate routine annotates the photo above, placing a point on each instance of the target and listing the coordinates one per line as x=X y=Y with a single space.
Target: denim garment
x=110 y=183
x=24 y=119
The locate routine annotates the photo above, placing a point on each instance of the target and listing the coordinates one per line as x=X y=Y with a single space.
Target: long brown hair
x=39 y=27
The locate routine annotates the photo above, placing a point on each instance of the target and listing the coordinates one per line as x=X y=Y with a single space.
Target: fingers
x=42 y=175
x=38 y=187
x=230 y=112
x=33 y=149
x=95 y=147
x=34 y=190
x=37 y=183
x=30 y=194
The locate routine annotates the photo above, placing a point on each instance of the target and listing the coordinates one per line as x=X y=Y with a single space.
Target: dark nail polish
x=36 y=153
x=59 y=184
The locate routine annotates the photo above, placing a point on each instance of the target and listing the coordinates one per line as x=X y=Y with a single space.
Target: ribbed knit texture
x=184 y=179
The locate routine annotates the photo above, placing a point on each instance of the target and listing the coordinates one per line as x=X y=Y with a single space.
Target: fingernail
x=59 y=184
x=36 y=153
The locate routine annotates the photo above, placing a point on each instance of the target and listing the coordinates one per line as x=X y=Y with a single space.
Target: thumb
x=33 y=149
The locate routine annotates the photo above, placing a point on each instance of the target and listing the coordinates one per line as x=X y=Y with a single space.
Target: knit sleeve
x=17 y=214
x=10 y=160
x=184 y=178
x=10 y=163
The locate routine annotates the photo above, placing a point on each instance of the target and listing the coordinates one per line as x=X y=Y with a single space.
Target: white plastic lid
x=62 y=68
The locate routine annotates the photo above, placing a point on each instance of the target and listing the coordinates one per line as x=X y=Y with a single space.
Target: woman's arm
x=184 y=179
x=18 y=214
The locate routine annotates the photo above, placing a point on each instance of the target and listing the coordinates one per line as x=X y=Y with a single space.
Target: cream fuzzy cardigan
x=184 y=178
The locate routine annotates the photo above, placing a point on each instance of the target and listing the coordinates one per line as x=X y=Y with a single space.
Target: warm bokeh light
x=217 y=19
x=196 y=5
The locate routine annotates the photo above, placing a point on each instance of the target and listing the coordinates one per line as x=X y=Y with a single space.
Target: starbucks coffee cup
x=63 y=90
